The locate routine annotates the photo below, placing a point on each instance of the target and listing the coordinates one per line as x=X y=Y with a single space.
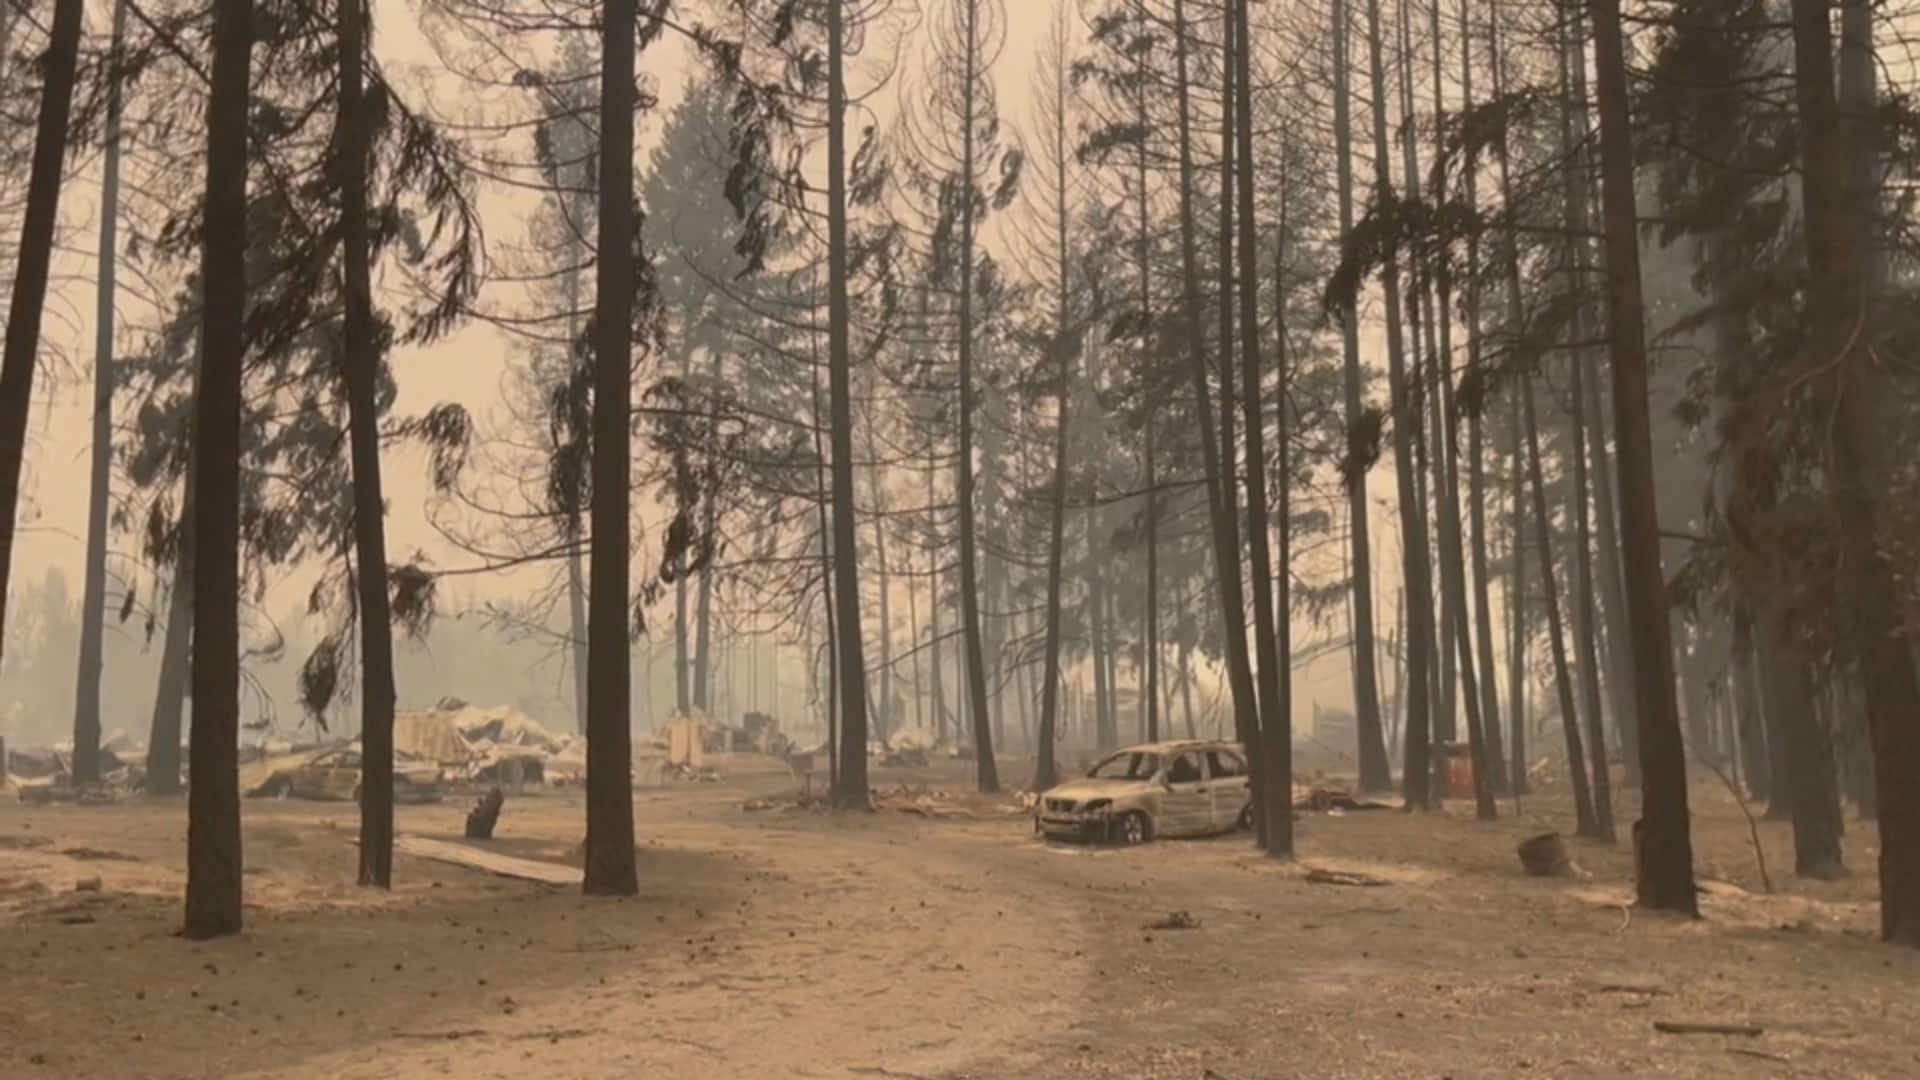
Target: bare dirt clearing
x=781 y=943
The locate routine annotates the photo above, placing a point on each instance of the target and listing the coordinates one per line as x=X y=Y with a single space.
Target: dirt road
x=795 y=944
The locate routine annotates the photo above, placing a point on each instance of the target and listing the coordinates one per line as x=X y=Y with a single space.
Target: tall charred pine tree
x=1516 y=588
x=170 y=691
x=1053 y=206
x=1276 y=726
x=37 y=226
x=1417 y=568
x=1456 y=620
x=1586 y=822
x=850 y=779
x=1573 y=141
x=1854 y=391
x=570 y=167
x=1533 y=491
x=610 y=869
x=966 y=171
x=361 y=362
x=213 y=800
x=1224 y=530
x=1663 y=843
x=86 y=695
x=1489 y=760
x=1362 y=421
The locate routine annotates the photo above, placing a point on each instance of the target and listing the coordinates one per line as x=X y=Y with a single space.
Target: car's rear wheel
x=1133 y=828
x=1245 y=821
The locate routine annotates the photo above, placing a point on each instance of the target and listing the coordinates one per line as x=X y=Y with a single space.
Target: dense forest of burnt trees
x=1093 y=388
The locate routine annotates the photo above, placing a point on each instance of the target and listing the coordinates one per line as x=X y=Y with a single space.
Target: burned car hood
x=1087 y=788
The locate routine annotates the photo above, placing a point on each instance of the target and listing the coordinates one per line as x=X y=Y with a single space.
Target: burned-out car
x=1186 y=788
x=334 y=776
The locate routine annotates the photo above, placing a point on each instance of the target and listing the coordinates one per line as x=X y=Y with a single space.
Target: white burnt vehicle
x=1185 y=788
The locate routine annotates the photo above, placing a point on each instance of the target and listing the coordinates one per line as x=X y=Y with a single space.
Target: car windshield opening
x=1127 y=766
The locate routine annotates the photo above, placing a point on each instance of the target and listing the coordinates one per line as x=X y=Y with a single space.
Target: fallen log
x=1683 y=1027
x=546 y=873
x=1318 y=876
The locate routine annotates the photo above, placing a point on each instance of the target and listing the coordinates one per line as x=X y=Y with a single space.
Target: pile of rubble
x=46 y=775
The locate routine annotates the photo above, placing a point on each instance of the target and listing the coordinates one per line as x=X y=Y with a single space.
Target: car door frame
x=1231 y=794
x=1186 y=807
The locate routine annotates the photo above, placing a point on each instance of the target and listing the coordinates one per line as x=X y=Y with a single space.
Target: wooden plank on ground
x=547 y=873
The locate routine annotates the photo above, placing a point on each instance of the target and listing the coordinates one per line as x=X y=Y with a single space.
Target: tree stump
x=1545 y=855
x=484 y=815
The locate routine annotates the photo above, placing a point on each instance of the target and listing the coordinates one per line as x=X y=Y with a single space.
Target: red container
x=1460 y=776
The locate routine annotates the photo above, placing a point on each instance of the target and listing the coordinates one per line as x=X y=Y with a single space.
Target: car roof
x=1175 y=746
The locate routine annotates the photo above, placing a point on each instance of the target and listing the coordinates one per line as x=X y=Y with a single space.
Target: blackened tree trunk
x=1618 y=645
x=1150 y=650
x=913 y=635
x=1276 y=738
x=936 y=684
x=1491 y=761
x=1457 y=627
x=1376 y=770
x=1105 y=737
x=1275 y=722
x=850 y=787
x=1516 y=466
x=703 y=665
x=683 y=682
x=1573 y=141
x=1226 y=552
x=1779 y=741
x=883 y=712
x=1585 y=822
x=1606 y=594
x=1857 y=101
x=213 y=799
x=170 y=695
x=1746 y=709
x=610 y=869
x=1417 y=768
x=824 y=529
x=1428 y=457
x=1517 y=605
x=1462 y=633
x=575 y=526
x=93 y=606
x=577 y=631
x=361 y=361
x=1585 y=630
x=979 y=707
x=1859 y=399
x=37 y=226
x=1817 y=821
x=1663 y=841
x=1054 y=105
x=1186 y=687
x=1281 y=793
x=1458 y=623
x=1690 y=661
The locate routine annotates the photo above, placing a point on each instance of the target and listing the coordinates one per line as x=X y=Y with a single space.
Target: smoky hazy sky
x=466 y=367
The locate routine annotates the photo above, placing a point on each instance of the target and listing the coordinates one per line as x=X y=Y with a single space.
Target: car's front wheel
x=1133 y=828
x=1246 y=818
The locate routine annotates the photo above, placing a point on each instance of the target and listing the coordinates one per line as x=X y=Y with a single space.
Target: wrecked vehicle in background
x=334 y=776
x=1185 y=788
